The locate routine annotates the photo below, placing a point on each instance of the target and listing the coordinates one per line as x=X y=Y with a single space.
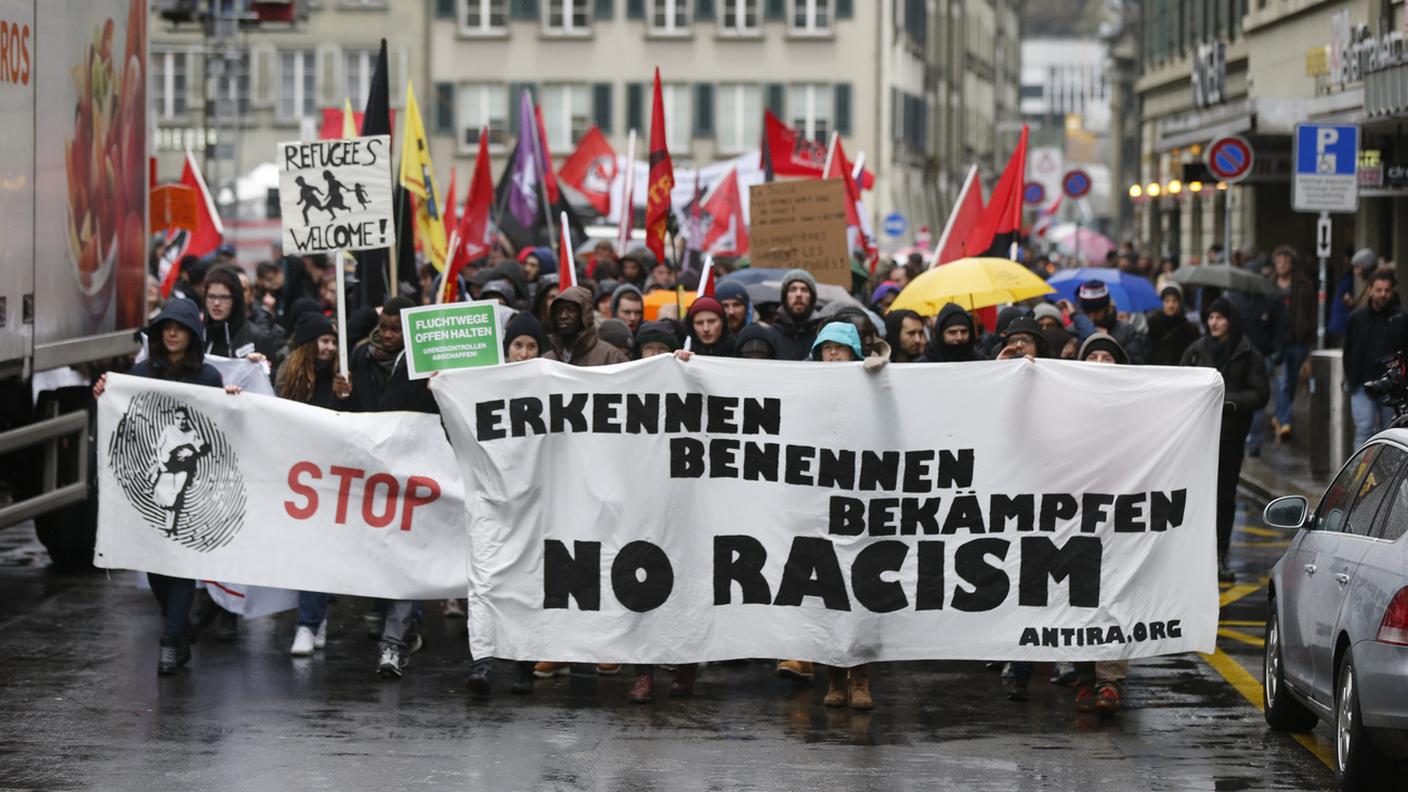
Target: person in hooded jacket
x=540 y=261
x=655 y=337
x=757 y=342
x=303 y=278
x=548 y=289
x=176 y=353
x=373 y=360
x=573 y=337
x=228 y=333
x=738 y=309
x=708 y=329
x=628 y=305
x=991 y=343
x=954 y=337
x=1097 y=313
x=636 y=266
x=512 y=272
x=795 y=319
x=1243 y=371
x=904 y=330
x=1170 y=331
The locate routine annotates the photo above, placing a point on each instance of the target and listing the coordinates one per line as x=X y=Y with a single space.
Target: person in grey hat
x=628 y=305
x=1349 y=292
x=1048 y=316
x=795 y=319
x=616 y=333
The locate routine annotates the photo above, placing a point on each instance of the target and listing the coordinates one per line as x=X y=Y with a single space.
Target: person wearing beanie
x=636 y=266
x=904 y=330
x=655 y=337
x=1244 y=377
x=372 y=361
x=1101 y=348
x=175 y=353
x=1098 y=313
x=757 y=342
x=953 y=340
x=617 y=334
x=883 y=296
x=1170 y=331
x=708 y=330
x=628 y=305
x=1023 y=338
x=794 y=321
x=524 y=338
x=1048 y=316
x=738 y=308
x=989 y=344
x=573 y=336
x=498 y=289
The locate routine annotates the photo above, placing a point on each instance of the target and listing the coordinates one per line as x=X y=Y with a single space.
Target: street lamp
x=1136 y=192
x=1175 y=187
x=1222 y=185
x=1153 y=190
x=1195 y=186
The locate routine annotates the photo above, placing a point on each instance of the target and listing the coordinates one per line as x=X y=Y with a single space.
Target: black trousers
x=1231 y=447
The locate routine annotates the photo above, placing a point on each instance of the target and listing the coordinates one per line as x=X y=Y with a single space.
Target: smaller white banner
x=336 y=194
x=196 y=483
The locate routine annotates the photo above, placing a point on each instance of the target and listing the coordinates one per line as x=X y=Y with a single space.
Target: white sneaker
x=303 y=642
x=320 y=638
x=390 y=664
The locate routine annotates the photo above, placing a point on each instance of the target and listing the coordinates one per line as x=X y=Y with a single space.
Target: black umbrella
x=1225 y=277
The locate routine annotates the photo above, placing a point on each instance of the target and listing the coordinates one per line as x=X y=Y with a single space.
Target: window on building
x=297 y=80
x=232 y=87
x=567 y=114
x=678 y=115
x=568 y=17
x=740 y=112
x=811 y=16
x=170 y=73
x=739 y=17
x=809 y=108
x=669 y=16
x=358 y=66
x=483 y=105
x=485 y=16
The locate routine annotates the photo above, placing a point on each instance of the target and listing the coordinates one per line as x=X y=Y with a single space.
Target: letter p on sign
x=1325 y=137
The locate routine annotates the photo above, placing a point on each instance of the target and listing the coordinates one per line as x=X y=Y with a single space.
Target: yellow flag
x=349 y=121
x=417 y=175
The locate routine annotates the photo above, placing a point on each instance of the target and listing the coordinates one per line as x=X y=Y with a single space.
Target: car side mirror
x=1288 y=513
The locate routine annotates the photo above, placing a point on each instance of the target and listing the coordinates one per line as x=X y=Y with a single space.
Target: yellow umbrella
x=972 y=283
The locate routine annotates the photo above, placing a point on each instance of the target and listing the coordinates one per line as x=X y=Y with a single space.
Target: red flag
x=549 y=179
x=332 y=123
x=591 y=169
x=449 y=216
x=662 y=179
x=841 y=169
x=471 y=239
x=726 y=230
x=792 y=154
x=567 y=260
x=967 y=211
x=996 y=232
x=1047 y=217
x=208 y=232
x=706 y=281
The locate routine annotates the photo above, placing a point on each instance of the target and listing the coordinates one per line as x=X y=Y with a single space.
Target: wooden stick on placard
x=341 y=272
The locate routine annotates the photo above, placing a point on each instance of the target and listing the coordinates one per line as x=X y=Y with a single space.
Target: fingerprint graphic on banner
x=178 y=469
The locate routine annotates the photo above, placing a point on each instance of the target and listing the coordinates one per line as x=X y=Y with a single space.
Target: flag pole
x=341 y=272
x=628 y=189
x=542 y=173
x=830 y=152
x=968 y=182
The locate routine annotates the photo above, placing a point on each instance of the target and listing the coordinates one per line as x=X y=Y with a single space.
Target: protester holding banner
x=738 y=308
x=1243 y=370
x=175 y=344
x=708 y=329
x=904 y=329
x=757 y=342
x=656 y=337
x=954 y=337
x=1023 y=338
x=794 y=323
x=574 y=336
x=524 y=338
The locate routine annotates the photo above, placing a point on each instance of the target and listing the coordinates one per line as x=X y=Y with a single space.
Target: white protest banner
x=254 y=490
x=669 y=512
x=336 y=194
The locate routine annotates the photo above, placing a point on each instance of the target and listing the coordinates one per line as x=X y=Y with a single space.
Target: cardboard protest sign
x=336 y=194
x=665 y=512
x=448 y=337
x=173 y=207
x=801 y=224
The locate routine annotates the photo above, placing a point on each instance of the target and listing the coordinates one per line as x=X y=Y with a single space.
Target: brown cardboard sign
x=801 y=224
x=173 y=206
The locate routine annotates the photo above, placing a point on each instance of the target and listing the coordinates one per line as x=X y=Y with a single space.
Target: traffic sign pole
x=1323 y=252
x=1227 y=225
x=1229 y=159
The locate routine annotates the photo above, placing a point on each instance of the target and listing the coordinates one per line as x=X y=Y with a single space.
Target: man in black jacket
x=795 y=323
x=1243 y=371
x=373 y=360
x=1368 y=339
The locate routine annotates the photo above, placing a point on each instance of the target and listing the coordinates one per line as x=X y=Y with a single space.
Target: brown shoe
x=643 y=691
x=608 y=669
x=1283 y=433
x=797 y=670
x=545 y=670
x=685 y=677
x=835 y=687
x=860 y=688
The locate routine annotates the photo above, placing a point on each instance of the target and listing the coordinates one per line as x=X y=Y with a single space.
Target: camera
x=1391 y=388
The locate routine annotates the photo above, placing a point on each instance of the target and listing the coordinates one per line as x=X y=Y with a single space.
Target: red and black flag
x=662 y=179
x=997 y=232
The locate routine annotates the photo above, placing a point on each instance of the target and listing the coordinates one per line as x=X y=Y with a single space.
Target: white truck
x=73 y=246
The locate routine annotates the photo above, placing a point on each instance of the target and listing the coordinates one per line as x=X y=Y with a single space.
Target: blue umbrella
x=1129 y=292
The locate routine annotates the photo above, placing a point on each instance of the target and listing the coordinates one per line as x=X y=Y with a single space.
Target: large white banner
x=667 y=511
x=255 y=490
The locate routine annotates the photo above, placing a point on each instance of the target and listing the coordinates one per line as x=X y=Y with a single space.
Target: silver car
x=1337 y=636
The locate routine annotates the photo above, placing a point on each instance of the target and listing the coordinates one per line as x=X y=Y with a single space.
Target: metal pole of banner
x=1324 y=276
x=830 y=152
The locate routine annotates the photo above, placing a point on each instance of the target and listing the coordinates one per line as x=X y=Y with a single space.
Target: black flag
x=372 y=265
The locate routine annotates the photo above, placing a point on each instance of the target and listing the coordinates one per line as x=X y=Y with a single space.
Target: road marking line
x=1246 y=684
x=1262 y=532
x=1241 y=623
x=1238 y=635
x=1241 y=591
x=1270 y=544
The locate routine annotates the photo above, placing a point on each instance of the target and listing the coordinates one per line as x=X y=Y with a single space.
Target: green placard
x=450 y=337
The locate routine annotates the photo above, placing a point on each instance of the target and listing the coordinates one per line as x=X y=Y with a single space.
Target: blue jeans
x=1370 y=417
x=1258 y=433
x=175 y=596
x=312 y=609
x=1292 y=357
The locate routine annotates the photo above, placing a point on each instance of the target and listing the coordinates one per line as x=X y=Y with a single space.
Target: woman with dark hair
x=227 y=331
x=175 y=343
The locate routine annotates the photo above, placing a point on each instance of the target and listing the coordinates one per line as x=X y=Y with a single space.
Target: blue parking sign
x=1326 y=160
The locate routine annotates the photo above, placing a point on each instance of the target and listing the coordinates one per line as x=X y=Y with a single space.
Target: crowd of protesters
x=284 y=319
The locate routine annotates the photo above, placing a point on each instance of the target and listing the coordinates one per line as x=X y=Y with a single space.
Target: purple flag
x=523 y=193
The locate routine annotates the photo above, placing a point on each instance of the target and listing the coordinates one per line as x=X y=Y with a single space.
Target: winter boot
x=685 y=677
x=166 y=662
x=643 y=691
x=860 y=688
x=835 y=687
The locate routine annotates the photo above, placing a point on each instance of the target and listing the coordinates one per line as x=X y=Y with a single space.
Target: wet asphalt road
x=81 y=707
